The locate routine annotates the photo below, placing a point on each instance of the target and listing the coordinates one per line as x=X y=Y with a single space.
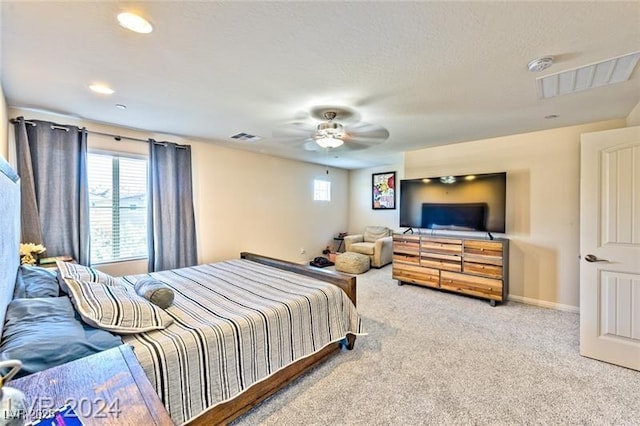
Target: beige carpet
x=433 y=358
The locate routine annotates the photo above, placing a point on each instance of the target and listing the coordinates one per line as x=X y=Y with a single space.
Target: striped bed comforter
x=235 y=323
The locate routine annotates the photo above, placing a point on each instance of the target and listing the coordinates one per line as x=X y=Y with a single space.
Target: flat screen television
x=455 y=203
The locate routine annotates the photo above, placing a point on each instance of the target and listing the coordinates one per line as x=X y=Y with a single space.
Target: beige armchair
x=376 y=242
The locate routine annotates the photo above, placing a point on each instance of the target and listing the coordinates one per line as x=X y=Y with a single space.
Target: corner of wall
x=633 y=119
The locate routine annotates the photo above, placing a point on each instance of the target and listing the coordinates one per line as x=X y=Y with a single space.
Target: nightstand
x=108 y=388
x=50 y=262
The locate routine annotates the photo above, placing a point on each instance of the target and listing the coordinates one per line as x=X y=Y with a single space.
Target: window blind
x=118 y=207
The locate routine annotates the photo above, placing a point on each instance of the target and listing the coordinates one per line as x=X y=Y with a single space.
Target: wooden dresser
x=472 y=266
x=108 y=388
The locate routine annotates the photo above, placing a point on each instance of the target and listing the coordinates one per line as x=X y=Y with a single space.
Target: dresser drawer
x=485 y=269
x=406 y=258
x=452 y=263
x=482 y=247
x=473 y=285
x=416 y=275
x=452 y=247
x=406 y=244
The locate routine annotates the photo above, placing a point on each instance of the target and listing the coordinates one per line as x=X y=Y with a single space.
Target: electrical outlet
x=302 y=251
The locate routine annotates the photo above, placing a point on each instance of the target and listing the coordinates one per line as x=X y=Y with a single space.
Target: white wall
x=4 y=126
x=543 y=183
x=361 y=213
x=243 y=201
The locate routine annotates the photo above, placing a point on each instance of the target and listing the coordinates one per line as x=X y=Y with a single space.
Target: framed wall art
x=383 y=191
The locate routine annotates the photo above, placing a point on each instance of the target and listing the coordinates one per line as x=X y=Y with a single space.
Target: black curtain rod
x=116 y=137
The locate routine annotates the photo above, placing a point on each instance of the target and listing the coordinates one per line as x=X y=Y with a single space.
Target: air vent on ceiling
x=603 y=73
x=246 y=137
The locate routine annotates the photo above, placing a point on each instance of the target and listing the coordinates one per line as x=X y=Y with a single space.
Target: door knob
x=594 y=258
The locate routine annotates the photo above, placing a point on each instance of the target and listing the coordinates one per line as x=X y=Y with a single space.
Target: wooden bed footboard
x=225 y=412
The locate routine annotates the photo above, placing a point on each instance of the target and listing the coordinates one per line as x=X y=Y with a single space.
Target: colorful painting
x=384 y=191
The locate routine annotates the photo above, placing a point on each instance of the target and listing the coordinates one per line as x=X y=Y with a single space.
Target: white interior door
x=610 y=246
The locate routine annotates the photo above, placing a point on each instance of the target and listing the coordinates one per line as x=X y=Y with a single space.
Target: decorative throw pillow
x=116 y=308
x=77 y=272
x=44 y=332
x=34 y=281
x=84 y=273
x=155 y=292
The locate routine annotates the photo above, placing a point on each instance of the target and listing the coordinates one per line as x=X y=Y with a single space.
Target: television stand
x=410 y=230
x=471 y=266
x=489 y=235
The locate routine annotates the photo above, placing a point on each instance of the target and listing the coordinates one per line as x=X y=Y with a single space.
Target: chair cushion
x=363 y=248
x=372 y=233
x=352 y=263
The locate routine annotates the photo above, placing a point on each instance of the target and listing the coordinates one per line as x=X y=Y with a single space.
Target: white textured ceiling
x=431 y=73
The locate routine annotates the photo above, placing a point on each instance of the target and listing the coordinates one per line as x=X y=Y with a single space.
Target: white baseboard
x=545 y=304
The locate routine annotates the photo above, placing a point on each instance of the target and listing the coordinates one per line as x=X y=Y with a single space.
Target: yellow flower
x=28 y=252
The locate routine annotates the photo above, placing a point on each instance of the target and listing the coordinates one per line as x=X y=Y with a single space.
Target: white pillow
x=115 y=308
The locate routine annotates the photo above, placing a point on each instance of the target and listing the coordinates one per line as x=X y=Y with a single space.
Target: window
x=118 y=207
x=321 y=190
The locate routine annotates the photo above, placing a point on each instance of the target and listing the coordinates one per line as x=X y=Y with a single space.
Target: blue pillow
x=34 y=281
x=44 y=333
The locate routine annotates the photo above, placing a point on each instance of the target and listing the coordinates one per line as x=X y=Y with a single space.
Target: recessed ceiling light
x=550 y=116
x=120 y=106
x=102 y=89
x=540 y=64
x=134 y=22
x=469 y=177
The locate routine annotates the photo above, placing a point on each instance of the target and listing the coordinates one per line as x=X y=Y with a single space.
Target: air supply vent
x=246 y=137
x=611 y=71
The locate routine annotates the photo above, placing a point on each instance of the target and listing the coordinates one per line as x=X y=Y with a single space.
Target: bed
x=239 y=330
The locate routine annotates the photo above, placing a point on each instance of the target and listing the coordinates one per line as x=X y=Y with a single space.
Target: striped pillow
x=116 y=308
x=79 y=272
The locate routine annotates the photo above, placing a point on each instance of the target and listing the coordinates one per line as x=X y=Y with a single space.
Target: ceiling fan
x=332 y=134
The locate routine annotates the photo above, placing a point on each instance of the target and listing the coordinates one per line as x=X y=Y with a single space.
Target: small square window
x=321 y=190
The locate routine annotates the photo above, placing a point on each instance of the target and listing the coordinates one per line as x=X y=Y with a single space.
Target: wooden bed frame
x=227 y=411
x=221 y=413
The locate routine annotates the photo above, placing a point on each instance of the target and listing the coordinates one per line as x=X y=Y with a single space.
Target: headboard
x=9 y=235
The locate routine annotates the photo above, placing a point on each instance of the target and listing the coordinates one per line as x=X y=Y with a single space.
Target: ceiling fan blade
x=296 y=130
x=364 y=131
x=310 y=145
x=354 y=144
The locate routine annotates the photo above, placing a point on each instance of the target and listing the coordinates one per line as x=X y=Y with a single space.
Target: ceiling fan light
x=329 y=142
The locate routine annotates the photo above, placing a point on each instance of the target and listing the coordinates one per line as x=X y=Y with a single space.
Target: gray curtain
x=172 y=229
x=52 y=164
